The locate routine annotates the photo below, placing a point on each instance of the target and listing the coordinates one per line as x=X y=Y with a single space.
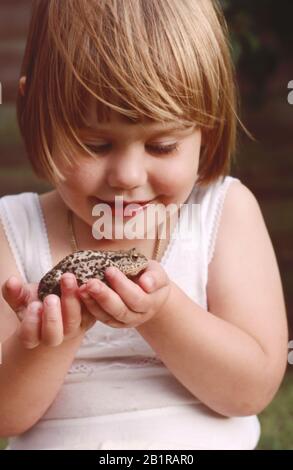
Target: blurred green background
x=261 y=40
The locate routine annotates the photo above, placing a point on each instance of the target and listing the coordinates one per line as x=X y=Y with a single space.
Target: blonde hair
x=162 y=60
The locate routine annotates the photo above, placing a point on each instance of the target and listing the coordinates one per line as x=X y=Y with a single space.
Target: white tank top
x=115 y=370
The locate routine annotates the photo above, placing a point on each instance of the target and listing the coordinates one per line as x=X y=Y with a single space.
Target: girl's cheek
x=84 y=175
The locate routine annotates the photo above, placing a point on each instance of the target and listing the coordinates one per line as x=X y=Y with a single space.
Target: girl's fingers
x=153 y=277
x=52 y=324
x=15 y=293
x=108 y=300
x=129 y=293
x=30 y=327
x=93 y=307
x=71 y=308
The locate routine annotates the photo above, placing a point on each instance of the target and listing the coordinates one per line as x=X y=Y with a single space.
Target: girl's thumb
x=15 y=293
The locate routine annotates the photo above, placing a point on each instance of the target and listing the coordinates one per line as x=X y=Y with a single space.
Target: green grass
x=2 y=444
x=276 y=420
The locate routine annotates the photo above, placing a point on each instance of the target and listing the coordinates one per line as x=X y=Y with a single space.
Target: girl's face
x=141 y=162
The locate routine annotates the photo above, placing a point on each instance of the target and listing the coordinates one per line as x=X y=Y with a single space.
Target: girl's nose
x=127 y=170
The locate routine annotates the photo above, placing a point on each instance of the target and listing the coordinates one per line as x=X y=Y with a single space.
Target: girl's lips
x=120 y=209
x=136 y=211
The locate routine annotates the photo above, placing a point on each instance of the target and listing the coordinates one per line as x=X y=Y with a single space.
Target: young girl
x=136 y=98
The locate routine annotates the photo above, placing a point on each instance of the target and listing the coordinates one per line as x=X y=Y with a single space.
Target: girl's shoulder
x=23 y=221
x=244 y=284
x=13 y=211
x=240 y=220
x=8 y=268
x=240 y=212
x=209 y=200
x=20 y=217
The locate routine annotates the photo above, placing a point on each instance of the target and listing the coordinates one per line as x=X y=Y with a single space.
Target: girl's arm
x=234 y=356
x=29 y=381
x=30 y=378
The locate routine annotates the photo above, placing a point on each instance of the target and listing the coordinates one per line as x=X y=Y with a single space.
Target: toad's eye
x=135 y=255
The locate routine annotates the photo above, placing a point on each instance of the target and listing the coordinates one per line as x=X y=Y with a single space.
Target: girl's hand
x=127 y=303
x=49 y=322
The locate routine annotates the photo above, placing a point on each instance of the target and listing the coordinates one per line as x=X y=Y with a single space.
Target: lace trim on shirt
x=80 y=369
x=46 y=245
x=90 y=337
x=169 y=247
x=166 y=255
x=217 y=216
x=128 y=362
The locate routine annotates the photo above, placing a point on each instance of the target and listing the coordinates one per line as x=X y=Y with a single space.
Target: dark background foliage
x=261 y=37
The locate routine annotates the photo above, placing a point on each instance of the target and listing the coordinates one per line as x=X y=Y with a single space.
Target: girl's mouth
x=126 y=210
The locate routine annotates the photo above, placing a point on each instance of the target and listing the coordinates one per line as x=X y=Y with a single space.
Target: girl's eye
x=164 y=148
x=160 y=149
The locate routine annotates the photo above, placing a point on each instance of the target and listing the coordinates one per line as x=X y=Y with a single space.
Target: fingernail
x=51 y=301
x=111 y=272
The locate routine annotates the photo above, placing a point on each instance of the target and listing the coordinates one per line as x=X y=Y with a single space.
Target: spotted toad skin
x=86 y=264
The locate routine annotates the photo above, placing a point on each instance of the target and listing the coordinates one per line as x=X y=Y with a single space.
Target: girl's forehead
x=113 y=118
x=118 y=121
x=119 y=129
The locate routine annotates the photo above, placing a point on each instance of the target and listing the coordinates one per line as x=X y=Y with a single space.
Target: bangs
x=145 y=60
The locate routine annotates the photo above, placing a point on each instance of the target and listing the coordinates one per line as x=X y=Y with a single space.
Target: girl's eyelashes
x=158 y=148
x=167 y=149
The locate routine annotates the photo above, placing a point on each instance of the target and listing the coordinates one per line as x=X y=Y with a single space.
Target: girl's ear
x=21 y=85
